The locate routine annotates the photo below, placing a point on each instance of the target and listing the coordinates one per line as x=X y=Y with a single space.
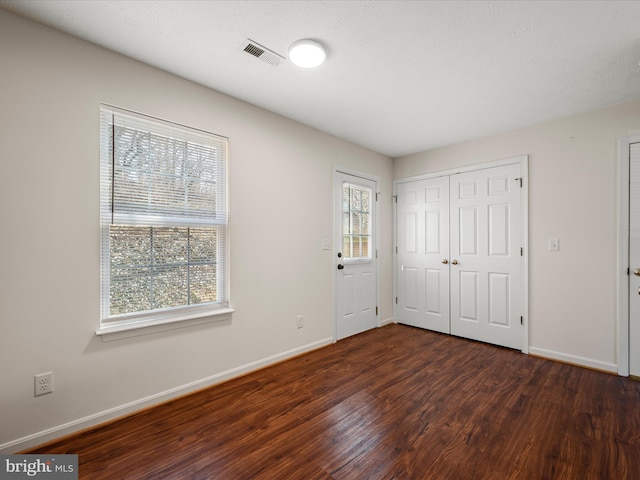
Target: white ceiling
x=401 y=76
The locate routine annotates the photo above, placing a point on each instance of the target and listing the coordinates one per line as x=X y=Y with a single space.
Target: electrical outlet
x=43 y=383
x=300 y=320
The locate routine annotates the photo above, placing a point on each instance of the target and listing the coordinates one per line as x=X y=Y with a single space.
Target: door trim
x=523 y=161
x=338 y=169
x=622 y=278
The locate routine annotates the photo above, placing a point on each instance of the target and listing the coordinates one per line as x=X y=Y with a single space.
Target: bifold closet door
x=486 y=257
x=423 y=253
x=459 y=263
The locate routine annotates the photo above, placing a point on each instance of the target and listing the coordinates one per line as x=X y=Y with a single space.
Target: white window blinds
x=163 y=217
x=165 y=174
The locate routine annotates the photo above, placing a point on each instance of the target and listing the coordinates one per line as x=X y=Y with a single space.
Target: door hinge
x=376 y=311
x=376 y=253
x=521 y=251
x=396 y=249
x=396 y=300
x=628 y=271
x=395 y=198
x=519 y=179
x=377 y=195
x=521 y=320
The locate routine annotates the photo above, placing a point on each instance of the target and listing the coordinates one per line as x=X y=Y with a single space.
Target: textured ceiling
x=401 y=76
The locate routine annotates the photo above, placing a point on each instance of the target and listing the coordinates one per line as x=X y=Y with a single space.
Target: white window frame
x=118 y=326
x=369 y=257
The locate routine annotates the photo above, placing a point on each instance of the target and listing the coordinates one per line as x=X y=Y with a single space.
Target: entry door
x=486 y=257
x=423 y=253
x=356 y=272
x=634 y=259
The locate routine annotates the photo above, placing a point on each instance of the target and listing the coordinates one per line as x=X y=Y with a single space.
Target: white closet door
x=486 y=261
x=634 y=259
x=423 y=253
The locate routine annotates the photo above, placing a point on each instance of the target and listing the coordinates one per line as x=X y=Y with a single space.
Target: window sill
x=145 y=326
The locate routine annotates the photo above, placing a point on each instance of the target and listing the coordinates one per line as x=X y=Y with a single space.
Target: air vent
x=262 y=52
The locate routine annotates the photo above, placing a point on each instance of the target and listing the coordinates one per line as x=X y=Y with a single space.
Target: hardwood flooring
x=392 y=403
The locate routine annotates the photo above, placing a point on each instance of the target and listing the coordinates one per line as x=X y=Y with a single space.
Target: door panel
x=467 y=189
x=468 y=295
x=411 y=288
x=349 y=296
x=411 y=232
x=634 y=259
x=433 y=234
x=356 y=272
x=468 y=239
x=367 y=293
x=423 y=244
x=499 y=298
x=499 y=229
x=486 y=286
x=433 y=291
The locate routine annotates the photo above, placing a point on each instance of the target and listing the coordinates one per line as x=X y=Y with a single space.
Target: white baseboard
x=387 y=321
x=574 y=359
x=50 y=434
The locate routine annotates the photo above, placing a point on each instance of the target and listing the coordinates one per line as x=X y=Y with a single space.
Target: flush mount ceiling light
x=307 y=53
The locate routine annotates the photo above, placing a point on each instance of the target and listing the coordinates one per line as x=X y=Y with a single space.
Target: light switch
x=554 y=244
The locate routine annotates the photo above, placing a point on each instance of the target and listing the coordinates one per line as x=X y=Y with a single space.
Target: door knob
x=340 y=266
x=445 y=261
x=454 y=262
x=636 y=272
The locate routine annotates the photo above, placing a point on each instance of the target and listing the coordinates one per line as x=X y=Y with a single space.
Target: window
x=163 y=221
x=356 y=225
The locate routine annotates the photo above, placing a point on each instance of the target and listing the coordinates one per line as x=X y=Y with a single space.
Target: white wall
x=572 y=196
x=281 y=182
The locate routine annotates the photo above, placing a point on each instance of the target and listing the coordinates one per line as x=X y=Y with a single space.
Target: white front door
x=355 y=261
x=634 y=259
x=422 y=231
x=486 y=257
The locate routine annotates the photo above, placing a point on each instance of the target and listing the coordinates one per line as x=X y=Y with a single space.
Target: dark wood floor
x=391 y=403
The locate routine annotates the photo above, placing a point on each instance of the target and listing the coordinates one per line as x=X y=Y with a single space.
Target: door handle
x=340 y=266
x=454 y=261
x=445 y=261
x=636 y=272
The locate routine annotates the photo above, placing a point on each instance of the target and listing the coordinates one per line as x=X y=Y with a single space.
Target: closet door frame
x=523 y=162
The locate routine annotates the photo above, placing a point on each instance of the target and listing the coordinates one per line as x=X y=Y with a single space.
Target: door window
x=356 y=222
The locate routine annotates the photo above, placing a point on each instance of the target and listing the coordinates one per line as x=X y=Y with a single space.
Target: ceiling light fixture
x=307 y=53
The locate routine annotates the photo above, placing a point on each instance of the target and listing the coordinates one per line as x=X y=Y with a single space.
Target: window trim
x=139 y=323
x=156 y=321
